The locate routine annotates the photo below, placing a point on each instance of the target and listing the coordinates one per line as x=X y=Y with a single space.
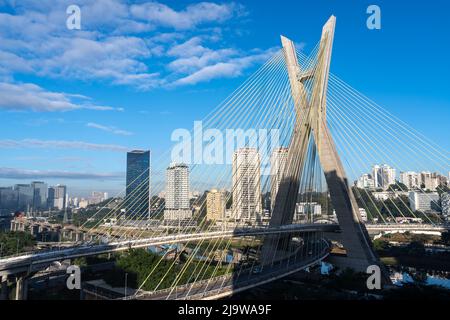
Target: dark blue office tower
x=137 y=199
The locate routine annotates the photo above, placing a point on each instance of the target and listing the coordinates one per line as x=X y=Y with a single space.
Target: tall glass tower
x=137 y=199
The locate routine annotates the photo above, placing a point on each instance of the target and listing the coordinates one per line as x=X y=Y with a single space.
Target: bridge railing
x=170 y=291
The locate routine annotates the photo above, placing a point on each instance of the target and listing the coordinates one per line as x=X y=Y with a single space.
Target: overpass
x=225 y=285
x=35 y=261
x=399 y=227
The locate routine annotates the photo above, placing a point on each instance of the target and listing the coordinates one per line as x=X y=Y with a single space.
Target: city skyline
x=310 y=179
x=97 y=126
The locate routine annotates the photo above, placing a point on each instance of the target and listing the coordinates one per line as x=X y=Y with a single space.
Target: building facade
x=246 y=184
x=25 y=196
x=410 y=179
x=424 y=202
x=215 y=205
x=365 y=182
x=60 y=197
x=177 y=205
x=137 y=198
x=445 y=205
x=40 y=194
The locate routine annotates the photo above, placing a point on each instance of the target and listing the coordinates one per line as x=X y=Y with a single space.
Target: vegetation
x=13 y=242
x=409 y=291
x=138 y=263
x=445 y=238
x=396 y=207
x=412 y=254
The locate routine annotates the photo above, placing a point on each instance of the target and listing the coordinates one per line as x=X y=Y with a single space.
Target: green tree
x=445 y=237
x=415 y=248
x=15 y=241
x=381 y=245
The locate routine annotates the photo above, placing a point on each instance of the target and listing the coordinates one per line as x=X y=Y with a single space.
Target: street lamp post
x=125 y=292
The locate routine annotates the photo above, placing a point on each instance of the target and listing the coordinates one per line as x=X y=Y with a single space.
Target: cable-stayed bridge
x=292 y=133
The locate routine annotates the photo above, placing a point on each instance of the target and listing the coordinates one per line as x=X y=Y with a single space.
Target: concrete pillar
x=4 y=288
x=21 y=288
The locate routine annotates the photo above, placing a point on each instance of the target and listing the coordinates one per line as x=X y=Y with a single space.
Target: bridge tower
x=310 y=111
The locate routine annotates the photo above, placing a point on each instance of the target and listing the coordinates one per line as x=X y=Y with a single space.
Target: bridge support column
x=21 y=288
x=4 y=288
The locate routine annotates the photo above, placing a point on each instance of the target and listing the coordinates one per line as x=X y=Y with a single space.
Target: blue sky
x=73 y=101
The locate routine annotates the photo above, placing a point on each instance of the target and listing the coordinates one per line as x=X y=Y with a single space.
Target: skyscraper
x=246 y=186
x=137 y=199
x=177 y=205
x=277 y=164
x=51 y=197
x=25 y=196
x=39 y=195
x=60 y=197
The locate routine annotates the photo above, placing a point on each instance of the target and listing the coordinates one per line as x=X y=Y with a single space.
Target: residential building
x=246 y=184
x=215 y=205
x=177 y=206
x=410 y=179
x=365 y=182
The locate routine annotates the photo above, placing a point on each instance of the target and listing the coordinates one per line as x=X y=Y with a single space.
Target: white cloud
x=192 y=16
x=28 y=96
x=218 y=70
x=119 y=43
x=226 y=69
x=14 y=173
x=61 y=144
x=109 y=129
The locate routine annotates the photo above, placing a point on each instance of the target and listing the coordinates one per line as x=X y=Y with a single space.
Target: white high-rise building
x=410 y=179
x=376 y=176
x=365 y=182
x=421 y=201
x=278 y=161
x=246 y=184
x=177 y=205
x=60 y=197
x=383 y=176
